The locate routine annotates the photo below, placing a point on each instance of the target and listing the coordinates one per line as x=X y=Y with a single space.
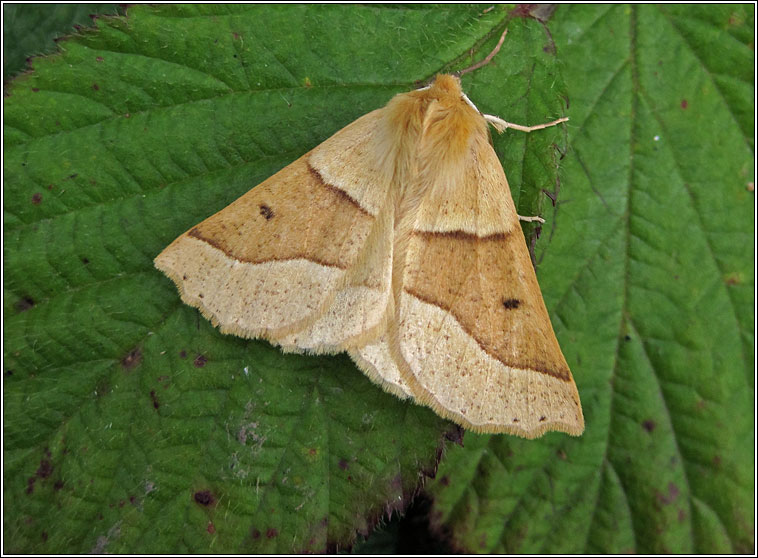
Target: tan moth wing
x=492 y=345
x=470 y=333
x=303 y=258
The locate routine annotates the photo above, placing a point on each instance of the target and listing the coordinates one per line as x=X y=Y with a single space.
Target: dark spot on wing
x=511 y=303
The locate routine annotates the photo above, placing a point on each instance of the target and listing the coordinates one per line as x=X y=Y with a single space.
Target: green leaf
x=131 y=424
x=30 y=29
x=648 y=276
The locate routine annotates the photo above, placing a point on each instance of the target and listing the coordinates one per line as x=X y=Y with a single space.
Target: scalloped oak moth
x=397 y=241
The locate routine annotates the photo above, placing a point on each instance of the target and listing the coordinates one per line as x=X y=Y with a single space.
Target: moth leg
x=531 y=219
x=501 y=125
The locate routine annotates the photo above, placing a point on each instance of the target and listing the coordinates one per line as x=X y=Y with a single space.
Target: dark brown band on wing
x=488 y=285
x=292 y=215
x=461 y=235
x=516 y=363
x=337 y=191
x=195 y=233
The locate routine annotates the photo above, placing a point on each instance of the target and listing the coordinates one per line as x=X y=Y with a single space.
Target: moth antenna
x=471 y=104
x=487 y=59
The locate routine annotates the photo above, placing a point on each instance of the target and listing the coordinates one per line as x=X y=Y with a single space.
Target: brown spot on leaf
x=37 y=198
x=132 y=359
x=343 y=464
x=45 y=468
x=271 y=533
x=455 y=435
x=255 y=533
x=200 y=361
x=445 y=481
x=684 y=103
x=99 y=58
x=96 y=87
x=85 y=261
x=211 y=529
x=267 y=212
x=25 y=304
x=154 y=398
x=670 y=497
x=649 y=425
x=204 y=497
x=182 y=354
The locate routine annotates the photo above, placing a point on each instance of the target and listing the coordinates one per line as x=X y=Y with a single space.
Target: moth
x=397 y=241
